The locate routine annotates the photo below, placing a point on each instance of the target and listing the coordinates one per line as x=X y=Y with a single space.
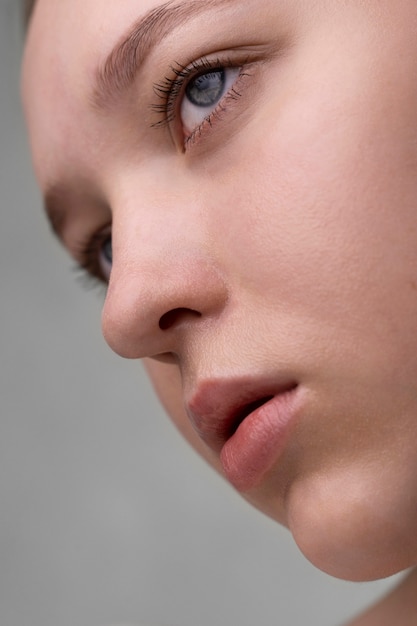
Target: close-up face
x=244 y=177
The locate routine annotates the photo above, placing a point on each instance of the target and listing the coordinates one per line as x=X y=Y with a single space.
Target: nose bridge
x=165 y=280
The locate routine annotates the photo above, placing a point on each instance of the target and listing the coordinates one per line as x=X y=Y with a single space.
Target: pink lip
x=246 y=422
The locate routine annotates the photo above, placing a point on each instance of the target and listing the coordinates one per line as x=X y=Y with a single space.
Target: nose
x=165 y=287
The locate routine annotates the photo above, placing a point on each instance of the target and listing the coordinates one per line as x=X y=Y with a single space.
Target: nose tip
x=154 y=311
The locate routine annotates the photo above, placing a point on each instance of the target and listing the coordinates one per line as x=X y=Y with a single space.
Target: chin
x=351 y=531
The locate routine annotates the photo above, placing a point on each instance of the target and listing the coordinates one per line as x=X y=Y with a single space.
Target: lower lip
x=258 y=442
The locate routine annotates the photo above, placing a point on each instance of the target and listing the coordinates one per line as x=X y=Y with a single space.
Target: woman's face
x=256 y=165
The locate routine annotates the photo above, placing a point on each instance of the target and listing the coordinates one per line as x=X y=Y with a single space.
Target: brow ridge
x=119 y=70
x=121 y=66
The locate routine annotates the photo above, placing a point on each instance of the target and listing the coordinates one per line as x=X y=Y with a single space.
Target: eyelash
x=170 y=89
x=88 y=267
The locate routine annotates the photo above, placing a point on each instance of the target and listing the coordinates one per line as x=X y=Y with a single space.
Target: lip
x=246 y=422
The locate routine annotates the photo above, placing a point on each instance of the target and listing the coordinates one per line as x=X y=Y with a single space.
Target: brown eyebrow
x=119 y=69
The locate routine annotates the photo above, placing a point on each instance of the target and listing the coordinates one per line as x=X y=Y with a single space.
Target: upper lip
x=217 y=407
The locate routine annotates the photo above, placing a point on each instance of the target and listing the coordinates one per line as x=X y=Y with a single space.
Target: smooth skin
x=275 y=239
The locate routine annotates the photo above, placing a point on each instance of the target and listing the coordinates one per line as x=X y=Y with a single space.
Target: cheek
x=316 y=213
x=324 y=233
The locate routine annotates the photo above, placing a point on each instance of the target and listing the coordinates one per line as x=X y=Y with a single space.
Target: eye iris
x=206 y=89
x=107 y=252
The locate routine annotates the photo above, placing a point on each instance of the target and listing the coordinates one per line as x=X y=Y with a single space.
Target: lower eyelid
x=192 y=115
x=229 y=100
x=170 y=90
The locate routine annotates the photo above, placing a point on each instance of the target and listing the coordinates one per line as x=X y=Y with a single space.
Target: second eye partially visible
x=95 y=256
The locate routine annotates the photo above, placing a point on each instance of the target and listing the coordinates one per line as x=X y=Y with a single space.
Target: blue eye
x=107 y=250
x=204 y=94
x=106 y=257
x=207 y=89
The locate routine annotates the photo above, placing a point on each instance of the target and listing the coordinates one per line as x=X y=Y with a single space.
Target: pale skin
x=269 y=236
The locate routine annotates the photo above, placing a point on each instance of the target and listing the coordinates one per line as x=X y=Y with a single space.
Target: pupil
x=206 y=89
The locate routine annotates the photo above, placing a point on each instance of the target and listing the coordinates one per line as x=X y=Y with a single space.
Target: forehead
x=67 y=43
x=79 y=27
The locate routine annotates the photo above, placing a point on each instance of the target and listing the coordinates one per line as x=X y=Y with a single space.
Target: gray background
x=106 y=515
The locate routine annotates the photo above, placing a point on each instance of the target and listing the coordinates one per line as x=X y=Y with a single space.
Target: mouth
x=246 y=423
x=244 y=412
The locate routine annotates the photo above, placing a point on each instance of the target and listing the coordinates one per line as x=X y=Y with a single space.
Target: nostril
x=173 y=317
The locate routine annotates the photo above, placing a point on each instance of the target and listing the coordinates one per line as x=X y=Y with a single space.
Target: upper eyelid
x=170 y=87
x=124 y=62
x=86 y=251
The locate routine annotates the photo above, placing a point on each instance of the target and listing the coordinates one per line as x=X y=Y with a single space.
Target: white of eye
x=203 y=93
